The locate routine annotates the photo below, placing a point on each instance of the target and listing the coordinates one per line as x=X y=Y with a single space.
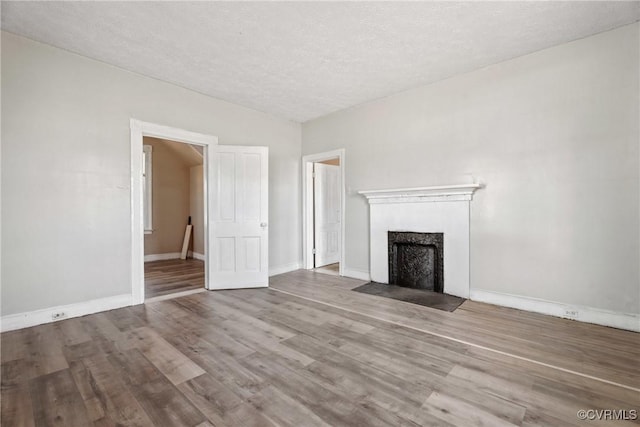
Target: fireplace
x=422 y=210
x=416 y=260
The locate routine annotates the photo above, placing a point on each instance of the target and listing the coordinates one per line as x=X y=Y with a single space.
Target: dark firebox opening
x=416 y=260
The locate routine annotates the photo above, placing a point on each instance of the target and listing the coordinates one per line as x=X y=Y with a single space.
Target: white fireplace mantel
x=443 y=209
x=442 y=193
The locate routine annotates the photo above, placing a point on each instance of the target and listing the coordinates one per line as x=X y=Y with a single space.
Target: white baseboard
x=356 y=274
x=273 y=271
x=162 y=257
x=172 y=255
x=628 y=321
x=39 y=317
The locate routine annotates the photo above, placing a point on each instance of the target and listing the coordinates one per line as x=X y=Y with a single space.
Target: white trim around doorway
x=307 y=205
x=140 y=129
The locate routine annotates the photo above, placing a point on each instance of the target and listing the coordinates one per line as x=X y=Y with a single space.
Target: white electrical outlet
x=570 y=313
x=58 y=315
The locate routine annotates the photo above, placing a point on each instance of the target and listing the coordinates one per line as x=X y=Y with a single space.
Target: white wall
x=555 y=136
x=65 y=171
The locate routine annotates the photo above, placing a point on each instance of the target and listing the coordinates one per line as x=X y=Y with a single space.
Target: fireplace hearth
x=416 y=260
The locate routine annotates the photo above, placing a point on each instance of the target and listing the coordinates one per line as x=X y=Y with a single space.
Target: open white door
x=238 y=236
x=326 y=185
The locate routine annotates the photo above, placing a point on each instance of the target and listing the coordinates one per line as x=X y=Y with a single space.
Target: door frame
x=140 y=129
x=307 y=205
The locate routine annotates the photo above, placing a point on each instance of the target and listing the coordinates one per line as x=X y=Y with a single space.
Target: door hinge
x=313 y=251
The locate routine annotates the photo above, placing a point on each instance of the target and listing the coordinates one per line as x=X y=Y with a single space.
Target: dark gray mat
x=423 y=297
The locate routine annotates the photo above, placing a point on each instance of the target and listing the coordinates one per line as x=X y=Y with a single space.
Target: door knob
x=263 y=224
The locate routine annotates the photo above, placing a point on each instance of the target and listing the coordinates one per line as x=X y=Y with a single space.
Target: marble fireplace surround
x=442 y=209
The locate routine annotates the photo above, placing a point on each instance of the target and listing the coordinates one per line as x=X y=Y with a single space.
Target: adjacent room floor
x=171 y=276
x=332 y=269
x=308 y=351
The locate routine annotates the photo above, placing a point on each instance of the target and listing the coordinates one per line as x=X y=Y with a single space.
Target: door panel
x=327 y=214
x=238 y=229
x=252 y=169
x=225 y=162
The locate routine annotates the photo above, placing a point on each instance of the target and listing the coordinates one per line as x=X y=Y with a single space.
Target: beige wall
x=66 y=172
x=555 y=136
x=196 y=206
x=333 y=162
x=171 y=199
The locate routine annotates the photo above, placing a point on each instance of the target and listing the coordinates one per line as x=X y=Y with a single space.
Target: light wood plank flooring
x=333 y=269
x=310 y=352
x=171 y=276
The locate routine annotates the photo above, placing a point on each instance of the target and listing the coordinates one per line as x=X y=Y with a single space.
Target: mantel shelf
x=458 y=192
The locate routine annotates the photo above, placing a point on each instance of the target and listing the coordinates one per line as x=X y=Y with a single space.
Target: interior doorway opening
x=174 y=211
x=235 y=205
x=324 y=199
x=140 y=130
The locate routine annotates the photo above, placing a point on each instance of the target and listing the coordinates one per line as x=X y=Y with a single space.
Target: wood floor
x=171 y=276
x=310 y=352
x=333 y=269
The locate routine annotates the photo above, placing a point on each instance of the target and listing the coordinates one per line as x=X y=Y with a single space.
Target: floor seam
x=468 y=343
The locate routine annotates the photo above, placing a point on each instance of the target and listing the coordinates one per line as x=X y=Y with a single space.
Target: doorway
x=235 y=209
x=323 y=206
x=173 y=200
x=139 y=131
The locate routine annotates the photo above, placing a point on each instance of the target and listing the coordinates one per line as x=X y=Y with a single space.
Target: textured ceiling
x=304 y=60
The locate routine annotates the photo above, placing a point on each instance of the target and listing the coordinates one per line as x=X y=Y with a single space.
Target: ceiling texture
x=302 y=60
